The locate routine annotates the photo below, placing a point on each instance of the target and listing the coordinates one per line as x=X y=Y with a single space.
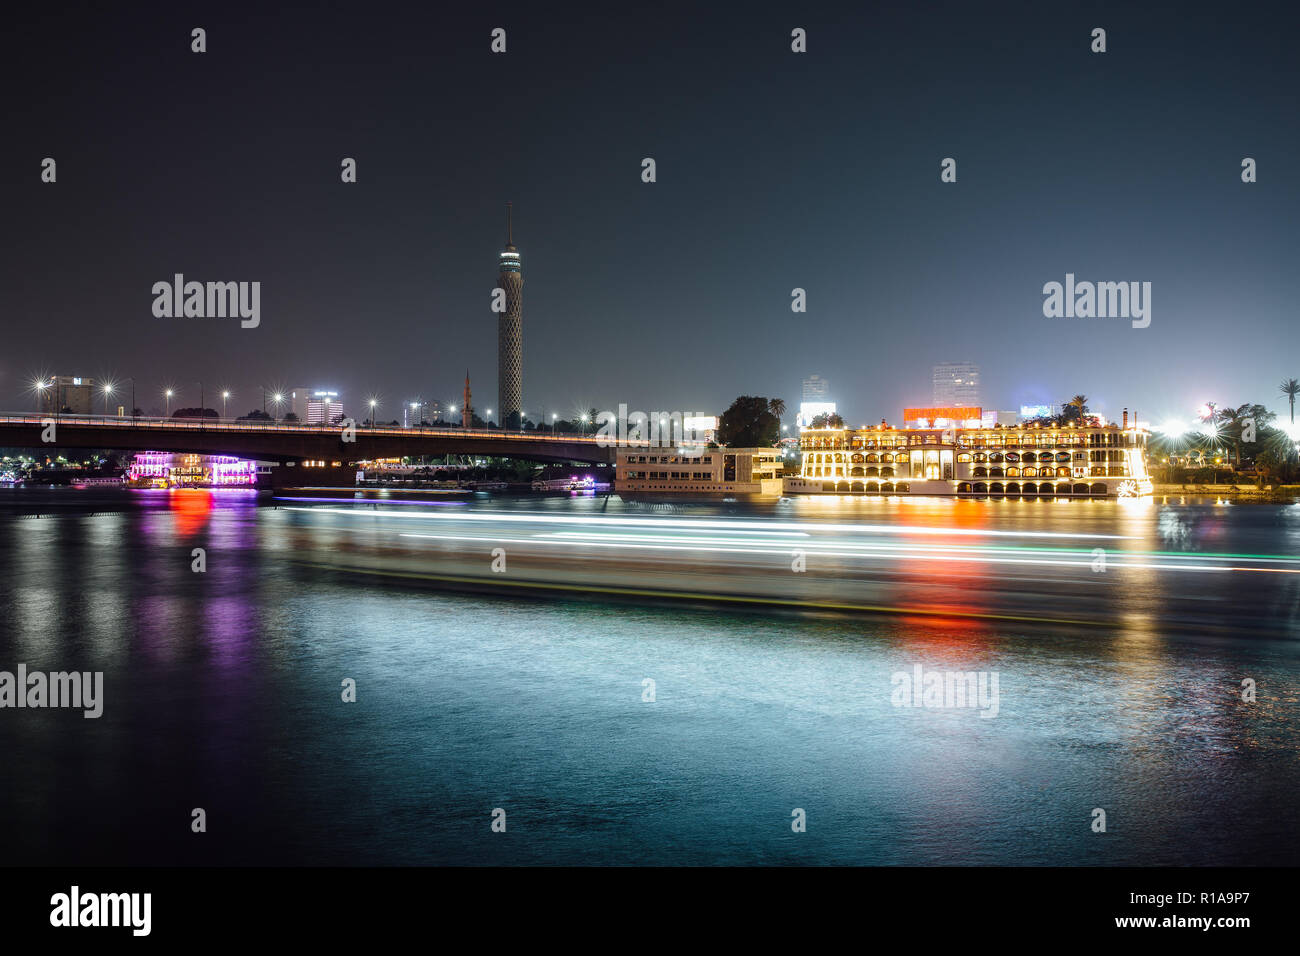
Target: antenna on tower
x=510 y=230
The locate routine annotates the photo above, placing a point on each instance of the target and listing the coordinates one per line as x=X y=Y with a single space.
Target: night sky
x=775 y=171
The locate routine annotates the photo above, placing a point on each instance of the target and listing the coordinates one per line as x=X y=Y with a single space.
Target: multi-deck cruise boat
x=1018 y=460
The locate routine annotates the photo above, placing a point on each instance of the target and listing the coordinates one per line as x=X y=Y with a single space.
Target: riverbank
x=1242 y=492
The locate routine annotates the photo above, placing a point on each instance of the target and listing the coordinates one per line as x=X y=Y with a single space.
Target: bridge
x=285 y=443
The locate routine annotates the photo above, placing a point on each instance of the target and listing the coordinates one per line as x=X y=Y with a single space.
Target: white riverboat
x=1105 y=461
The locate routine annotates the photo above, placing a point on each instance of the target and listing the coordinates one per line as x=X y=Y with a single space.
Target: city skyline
x=391 y=273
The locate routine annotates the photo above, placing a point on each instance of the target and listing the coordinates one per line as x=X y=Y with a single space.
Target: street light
x=108 y=390
x=584 y=424
x=168 y=395
x=39 y=387
x=553 y=417
x=489 y=414
x=373 y=403
x=225 y=396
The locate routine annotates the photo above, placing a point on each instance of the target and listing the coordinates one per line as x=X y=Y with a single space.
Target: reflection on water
x=223 y=687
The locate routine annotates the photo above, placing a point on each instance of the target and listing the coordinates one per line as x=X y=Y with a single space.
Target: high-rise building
x=816 y=389
x=415 y=412
x=418 y=411
x=956 y=384
x=510 y=330
x=70 y=392
x=316 y=406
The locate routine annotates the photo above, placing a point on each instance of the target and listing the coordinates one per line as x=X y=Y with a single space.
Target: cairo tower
x=510 y=332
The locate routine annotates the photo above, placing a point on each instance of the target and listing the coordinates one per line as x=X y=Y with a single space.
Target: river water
x=1120 y=635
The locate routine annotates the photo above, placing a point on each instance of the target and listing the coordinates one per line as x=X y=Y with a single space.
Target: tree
x=777 y=407
x=827 y=420
x=748 y=423
x=291 y=417
x=1234 y=423
x=1231 y=421
x=1080 y=405
x=1290 y=388
x=1269 y=464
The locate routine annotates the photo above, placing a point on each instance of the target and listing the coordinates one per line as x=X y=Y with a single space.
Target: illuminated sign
x=947 y=412
x=810 y=410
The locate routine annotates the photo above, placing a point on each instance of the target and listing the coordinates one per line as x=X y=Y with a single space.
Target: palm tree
x=1081 y=403
x=1232 y=419
x=777 y=407
x=1290 y=388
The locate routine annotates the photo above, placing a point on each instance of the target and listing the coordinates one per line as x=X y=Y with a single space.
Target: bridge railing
x=291 y=428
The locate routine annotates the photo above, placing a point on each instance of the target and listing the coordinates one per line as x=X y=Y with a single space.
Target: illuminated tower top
x=510 y=255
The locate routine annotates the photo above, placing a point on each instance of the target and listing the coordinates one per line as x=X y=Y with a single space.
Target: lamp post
x=108 y=390
x=553 y=417
x=489 y=415
x=40 y=394
x=373 y=403
x=224 y=397
x=168 y=395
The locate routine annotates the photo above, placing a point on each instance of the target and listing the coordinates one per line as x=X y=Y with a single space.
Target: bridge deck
x=279 y=441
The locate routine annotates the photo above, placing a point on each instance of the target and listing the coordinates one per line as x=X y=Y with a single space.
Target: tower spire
x=510 y=330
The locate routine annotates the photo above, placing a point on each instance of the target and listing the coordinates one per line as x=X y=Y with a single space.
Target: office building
x=956 y=384
x=70 y=394
x=816 y=389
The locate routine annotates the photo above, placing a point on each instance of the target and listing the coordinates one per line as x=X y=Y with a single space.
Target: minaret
x=466 y=414
x=510 y=329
